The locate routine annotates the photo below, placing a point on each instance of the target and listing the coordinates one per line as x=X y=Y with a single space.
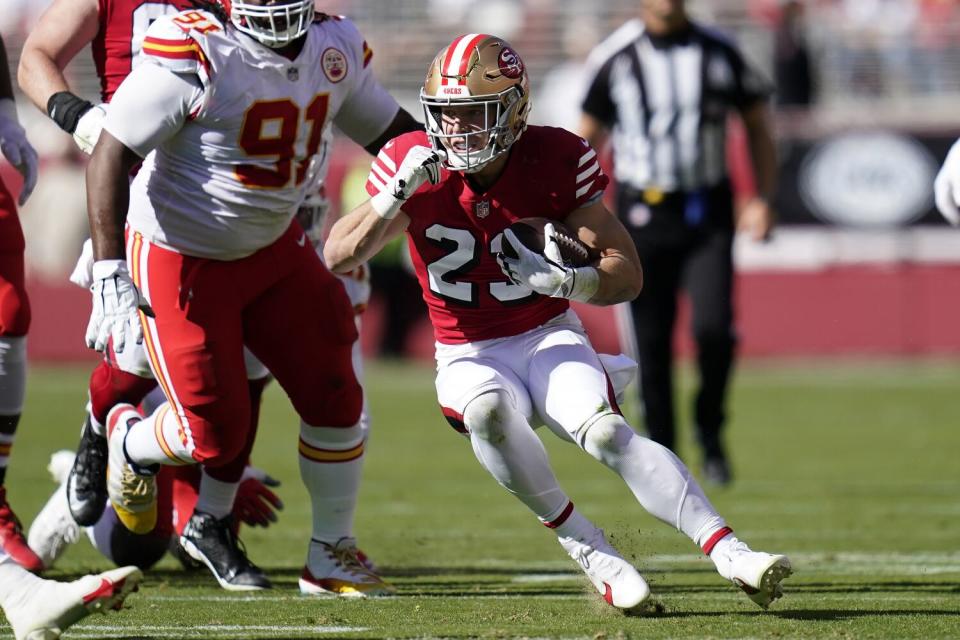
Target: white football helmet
x=273 y=25
x=481 y=78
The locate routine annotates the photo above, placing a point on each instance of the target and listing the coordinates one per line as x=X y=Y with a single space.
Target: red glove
x=256 y=505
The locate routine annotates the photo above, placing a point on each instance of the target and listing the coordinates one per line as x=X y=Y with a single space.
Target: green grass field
x=852 y=469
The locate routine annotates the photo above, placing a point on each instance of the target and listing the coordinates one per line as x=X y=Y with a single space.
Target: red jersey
x=117 y=45
x=455 y=232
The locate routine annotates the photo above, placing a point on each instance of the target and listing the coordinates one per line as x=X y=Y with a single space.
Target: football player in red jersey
x=510 y=352
x=14 y=308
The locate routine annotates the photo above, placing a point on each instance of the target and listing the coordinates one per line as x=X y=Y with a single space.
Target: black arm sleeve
x=598 y=101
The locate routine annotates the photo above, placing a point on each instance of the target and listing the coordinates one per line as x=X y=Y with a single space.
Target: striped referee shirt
x=665 y=100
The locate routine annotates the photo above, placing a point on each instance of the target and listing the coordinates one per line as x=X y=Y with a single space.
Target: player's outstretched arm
x=360 y=235
x=620 y=274
x=65 y=28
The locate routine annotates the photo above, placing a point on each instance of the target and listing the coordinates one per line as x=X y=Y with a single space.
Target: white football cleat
x=49 y=607
x=335 y=570
x=54 y=529
x=134 y=496
x=620 y=584
x=756 y=573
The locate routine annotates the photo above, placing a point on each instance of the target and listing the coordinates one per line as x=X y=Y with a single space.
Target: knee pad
x=489 y=415
x=605 y=433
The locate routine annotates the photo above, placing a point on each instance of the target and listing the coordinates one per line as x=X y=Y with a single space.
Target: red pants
x=288 y=309
x=14 y=304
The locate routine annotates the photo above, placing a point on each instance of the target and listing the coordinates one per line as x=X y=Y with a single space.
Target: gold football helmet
x=476 y=100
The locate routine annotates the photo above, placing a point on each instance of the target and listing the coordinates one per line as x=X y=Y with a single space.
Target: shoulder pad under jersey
x=176 y=42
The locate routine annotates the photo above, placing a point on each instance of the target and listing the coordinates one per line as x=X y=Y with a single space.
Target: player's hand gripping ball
x=530 y=232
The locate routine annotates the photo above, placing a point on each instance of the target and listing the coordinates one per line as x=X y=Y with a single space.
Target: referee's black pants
x=685 y=241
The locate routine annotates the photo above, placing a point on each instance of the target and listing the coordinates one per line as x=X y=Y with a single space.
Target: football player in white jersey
x=510 y=352
x=115 y=29
x=228 y=115
x=38 y=608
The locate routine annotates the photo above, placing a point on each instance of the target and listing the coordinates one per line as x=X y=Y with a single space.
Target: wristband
x=386 y=204
x=65 y=109
x=108 y=268
x=584 y=284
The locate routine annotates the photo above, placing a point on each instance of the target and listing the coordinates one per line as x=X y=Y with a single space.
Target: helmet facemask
x=275 y=25
x=485 y=130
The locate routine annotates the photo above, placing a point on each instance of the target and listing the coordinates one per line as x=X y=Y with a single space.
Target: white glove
x=420 y=164
x=17 y=149
x=357 y=284
x=82 y=274
x=546 y=274
x=89 y=127
x=116 y=302
x=946 y=187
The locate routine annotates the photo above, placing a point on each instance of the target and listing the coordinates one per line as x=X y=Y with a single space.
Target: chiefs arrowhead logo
x=334 y=64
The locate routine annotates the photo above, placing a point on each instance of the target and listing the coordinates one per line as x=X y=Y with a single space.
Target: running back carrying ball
x=530 y=232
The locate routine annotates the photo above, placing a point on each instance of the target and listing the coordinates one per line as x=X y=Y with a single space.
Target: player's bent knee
x=488 y=416
x=222 y=439
x=606 y=433
x=336 y=405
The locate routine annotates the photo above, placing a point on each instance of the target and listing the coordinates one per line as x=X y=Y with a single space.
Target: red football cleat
x=12 y=540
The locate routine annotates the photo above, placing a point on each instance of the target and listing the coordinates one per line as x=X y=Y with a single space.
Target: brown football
x=529 y=231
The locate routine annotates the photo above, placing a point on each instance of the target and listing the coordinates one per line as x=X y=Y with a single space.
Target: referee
x=663 y=98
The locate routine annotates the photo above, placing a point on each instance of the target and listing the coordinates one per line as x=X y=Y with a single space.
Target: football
x=529 y=231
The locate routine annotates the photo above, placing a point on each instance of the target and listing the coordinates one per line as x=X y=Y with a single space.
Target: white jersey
x=229 y=127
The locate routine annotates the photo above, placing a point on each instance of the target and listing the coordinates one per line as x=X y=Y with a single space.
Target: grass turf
x=849 y=468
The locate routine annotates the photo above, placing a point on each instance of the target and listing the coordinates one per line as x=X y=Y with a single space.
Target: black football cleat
x=214 y=543
x=87 y=482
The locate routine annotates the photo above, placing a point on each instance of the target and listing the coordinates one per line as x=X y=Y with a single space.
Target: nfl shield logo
x=482 y=209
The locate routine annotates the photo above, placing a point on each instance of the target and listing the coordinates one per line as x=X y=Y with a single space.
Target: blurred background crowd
x=866 y=108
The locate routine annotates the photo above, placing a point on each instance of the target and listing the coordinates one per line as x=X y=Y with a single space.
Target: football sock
x=658 y=479
x=109 y=387
x=509 y=449
x=156 y=440
x=331 y=459
x=569 y=523
x=216 y=497
x=13 y=376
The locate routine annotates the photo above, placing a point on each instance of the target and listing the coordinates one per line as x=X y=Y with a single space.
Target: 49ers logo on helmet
x=510 y=63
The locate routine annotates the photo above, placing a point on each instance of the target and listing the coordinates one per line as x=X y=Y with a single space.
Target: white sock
x=156 y=440
x=658 y=479
x=215 y=496
x=570 y=523
x=509 y=449
x=331 y=459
